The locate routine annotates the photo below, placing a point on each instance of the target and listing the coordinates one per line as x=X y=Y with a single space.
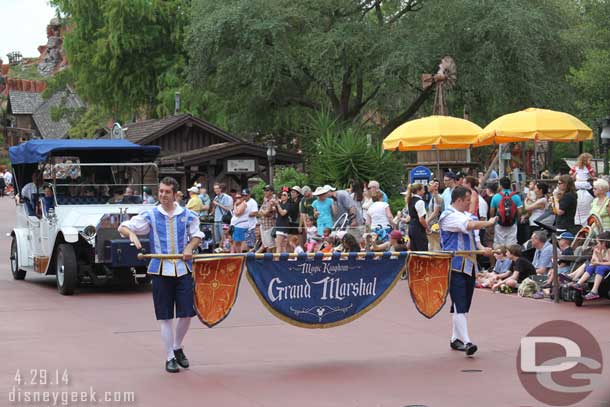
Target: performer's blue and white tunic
x=168 y=235
x=455 y=236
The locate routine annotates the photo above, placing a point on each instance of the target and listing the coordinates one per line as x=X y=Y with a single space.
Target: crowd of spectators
x=295 y=219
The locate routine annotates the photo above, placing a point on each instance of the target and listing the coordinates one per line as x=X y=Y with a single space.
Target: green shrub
x=397 y=203
x=341 y=152
x=289 y=177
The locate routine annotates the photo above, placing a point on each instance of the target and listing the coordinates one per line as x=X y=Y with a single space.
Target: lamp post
x=604 y=135
x=271 y=158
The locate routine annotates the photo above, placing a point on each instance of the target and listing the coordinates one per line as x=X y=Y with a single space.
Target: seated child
x=311 y=244
x=396 y=243
x=225 y=244
x=349 y=243
x=258 y=246
x=521 y=269
x=598 y=266
x=564 y=241
x=487 y=278
x=294 y=246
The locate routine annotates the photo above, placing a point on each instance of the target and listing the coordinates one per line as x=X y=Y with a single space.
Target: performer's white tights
x=181 y=327
x=460 y=328
x=167 y=334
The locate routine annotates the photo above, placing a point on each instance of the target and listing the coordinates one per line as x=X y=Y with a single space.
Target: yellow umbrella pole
x=438 y=164
x=535 y=160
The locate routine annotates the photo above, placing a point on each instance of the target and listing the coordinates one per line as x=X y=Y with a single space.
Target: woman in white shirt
x=379 y=214
x=534 y=208
x=240 y=221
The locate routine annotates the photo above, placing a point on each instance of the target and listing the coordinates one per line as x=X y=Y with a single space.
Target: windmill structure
x=442 y=80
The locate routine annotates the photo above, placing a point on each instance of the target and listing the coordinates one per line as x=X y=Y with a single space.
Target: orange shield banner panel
x=429 y=281
x=215 y=287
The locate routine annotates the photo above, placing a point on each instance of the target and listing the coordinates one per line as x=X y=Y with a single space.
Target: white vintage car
x=73 y=195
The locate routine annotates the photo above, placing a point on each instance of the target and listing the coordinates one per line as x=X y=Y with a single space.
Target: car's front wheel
x=66 y=269
x=17 y=273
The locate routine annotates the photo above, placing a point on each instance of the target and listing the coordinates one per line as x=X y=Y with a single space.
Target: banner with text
x=215 y=287
x=323 y=291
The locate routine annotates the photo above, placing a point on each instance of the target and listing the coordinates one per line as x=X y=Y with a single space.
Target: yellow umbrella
x=433 y=132
x=534 y=125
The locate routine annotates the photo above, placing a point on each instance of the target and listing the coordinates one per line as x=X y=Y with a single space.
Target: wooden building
x=193 y=150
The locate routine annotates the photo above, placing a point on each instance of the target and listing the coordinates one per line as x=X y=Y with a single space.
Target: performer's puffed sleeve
x=455 y=222
x=194 y=227
x=140 y=224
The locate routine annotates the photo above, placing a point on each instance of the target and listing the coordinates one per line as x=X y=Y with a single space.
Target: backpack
x=507 y=210
x=528 y=287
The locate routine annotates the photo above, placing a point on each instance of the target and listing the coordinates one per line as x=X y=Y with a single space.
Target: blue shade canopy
x=35 y=151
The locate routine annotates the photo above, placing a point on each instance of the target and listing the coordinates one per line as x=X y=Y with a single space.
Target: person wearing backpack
x=507 y=206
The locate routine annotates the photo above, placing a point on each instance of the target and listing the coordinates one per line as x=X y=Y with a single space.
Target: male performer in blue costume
x=172 y=229
x=457 y=233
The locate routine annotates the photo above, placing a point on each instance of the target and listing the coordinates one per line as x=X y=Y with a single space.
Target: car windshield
x=76 y=183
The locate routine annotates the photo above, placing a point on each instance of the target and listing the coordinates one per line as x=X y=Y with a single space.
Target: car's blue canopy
x=101 y=150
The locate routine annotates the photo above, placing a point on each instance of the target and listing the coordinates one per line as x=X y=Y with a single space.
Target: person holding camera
x=222 y=205
x=286 y=210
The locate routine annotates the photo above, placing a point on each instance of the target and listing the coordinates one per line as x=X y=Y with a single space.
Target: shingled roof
x=49 y=128
x=145 y=131
x=24 y=102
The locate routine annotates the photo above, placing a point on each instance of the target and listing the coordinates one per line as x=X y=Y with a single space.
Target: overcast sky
x=23 y=26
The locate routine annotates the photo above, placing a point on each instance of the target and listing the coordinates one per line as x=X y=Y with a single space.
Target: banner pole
x=308 y=255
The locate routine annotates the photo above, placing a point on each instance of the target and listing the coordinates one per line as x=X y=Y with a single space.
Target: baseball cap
x=566 y=236
x=396 y=234
x=245 y=191
x=450 y=175
x=268 y=187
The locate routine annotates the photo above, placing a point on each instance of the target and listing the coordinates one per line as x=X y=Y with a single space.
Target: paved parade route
x=105 y=340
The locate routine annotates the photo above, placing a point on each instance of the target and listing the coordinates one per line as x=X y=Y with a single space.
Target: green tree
x=119 y=50
x=289 y=177
x=592 y=77
x=510 y=55
x=271 y=61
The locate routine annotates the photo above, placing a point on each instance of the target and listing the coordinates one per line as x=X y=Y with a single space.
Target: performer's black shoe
x=470 y=349
x=181 y=358
x=171 y=366
x=457 y=345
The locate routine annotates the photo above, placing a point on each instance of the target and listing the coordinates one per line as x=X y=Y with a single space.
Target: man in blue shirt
x=543 y=257
x=505 y=235
x=223 y=204
x=205 y=200
x=449 y=180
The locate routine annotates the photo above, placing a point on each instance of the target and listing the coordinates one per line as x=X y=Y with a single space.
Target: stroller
x=582 y=245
